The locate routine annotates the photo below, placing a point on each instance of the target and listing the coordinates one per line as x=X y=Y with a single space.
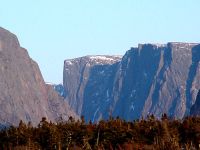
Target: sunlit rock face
x=149 y=79
x=23 y=93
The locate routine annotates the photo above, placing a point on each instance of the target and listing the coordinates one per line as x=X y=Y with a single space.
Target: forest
x=112 y=134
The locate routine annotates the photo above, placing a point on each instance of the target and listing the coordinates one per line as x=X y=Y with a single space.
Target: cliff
x=24 y=94
x=149 y=79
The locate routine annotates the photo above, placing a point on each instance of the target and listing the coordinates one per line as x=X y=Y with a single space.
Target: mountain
x=24 y=94
x=195 y=109
x=148 y=79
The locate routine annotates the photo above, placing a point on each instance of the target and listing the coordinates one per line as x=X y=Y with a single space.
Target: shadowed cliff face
x=149 y=79
x=156 y=81
x=195 y=109
x=193 y=78
x=24 y=95
x=88 y=82
x=138 y=70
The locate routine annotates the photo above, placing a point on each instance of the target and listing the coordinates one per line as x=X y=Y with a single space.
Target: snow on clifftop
x=111 y=59
x=95 y=59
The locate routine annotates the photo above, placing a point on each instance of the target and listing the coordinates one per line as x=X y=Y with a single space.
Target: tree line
x=113 y=134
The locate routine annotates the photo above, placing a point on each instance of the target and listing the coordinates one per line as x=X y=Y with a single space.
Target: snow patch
x=49 y=83
x=145 y=74
x=68 y=62
x=107 y=94
x=105 y=59
x=107 y=100
x=132 y=107
x=102 y=72
x=95 y=114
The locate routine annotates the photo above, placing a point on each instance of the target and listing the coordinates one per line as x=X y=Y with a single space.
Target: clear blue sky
x=55 y=30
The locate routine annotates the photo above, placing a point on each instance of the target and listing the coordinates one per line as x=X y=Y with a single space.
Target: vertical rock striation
x=195 y=109
x=88 y=82
x=149 y=79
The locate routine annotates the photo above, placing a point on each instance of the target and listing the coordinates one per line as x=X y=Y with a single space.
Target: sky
x=55 y=30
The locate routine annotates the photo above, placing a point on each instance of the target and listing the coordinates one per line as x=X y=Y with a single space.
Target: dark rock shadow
x=192 y=74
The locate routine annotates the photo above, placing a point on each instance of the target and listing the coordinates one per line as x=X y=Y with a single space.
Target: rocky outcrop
x=23 y=92
x=151 y=78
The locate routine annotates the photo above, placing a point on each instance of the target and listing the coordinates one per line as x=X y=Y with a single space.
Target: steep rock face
x=23 y=93
x=195 y=109
x=158 y=79
x=149 y=79
x=88 y=82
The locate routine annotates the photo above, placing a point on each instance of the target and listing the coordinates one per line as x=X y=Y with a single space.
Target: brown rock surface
x=23 y=92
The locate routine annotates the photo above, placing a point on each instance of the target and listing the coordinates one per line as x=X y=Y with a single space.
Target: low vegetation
x=113 y=134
